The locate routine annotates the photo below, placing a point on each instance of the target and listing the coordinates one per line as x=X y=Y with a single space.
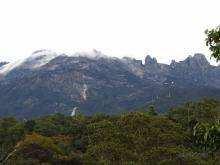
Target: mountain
x=49 y=82
x=3 y=63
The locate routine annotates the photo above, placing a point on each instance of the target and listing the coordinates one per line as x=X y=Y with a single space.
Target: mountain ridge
x=40 y=54
x=49 y=82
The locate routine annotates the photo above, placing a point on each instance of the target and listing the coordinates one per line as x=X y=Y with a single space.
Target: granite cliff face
x=48 y=82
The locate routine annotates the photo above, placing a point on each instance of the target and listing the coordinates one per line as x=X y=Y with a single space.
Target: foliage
x=213 y=42
x=207 y=136
x=189 y=114
x=127 y=138
x=151 y=110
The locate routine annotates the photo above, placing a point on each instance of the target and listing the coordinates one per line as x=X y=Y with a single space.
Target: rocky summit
x=88 y=83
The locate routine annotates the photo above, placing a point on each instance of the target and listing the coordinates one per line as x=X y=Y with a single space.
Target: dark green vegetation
x=213 y=42
x=175 y=138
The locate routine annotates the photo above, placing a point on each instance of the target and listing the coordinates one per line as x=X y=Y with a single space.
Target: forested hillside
x=129 y=138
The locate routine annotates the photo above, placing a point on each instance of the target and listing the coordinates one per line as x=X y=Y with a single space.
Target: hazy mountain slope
x=48 y=82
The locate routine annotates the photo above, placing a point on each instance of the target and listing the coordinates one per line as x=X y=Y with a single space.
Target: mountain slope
x=48 y=82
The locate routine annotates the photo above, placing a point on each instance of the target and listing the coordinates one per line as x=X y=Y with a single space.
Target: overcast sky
x=165 y=29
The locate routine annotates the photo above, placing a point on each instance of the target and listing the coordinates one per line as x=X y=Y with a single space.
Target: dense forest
x=186 y=135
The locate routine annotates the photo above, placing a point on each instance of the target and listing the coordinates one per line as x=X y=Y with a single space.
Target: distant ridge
x=49 y=82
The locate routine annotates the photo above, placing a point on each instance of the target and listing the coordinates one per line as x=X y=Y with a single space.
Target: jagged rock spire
x=149 y=60
x=197 y=59
x=201 y=59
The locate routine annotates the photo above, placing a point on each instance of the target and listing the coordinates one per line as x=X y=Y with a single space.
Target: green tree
x=207 y=136
x=152 y=111
x=29 y=126
x=213 y=42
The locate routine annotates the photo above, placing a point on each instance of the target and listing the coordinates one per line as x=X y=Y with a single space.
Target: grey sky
x=171 y=29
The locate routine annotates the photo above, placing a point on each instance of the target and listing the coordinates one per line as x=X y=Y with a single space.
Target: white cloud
x=170 y=29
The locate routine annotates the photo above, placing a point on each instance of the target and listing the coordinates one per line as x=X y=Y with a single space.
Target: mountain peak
x=49 y=82
x=42 y=52
x=39 y=58
x=199 y=56
x=197 y=59
x=200 y=59
x=150 y=60
x=173 y=64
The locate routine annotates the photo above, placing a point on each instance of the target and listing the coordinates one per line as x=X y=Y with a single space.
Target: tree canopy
x=213 y=42
x=128 y=138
